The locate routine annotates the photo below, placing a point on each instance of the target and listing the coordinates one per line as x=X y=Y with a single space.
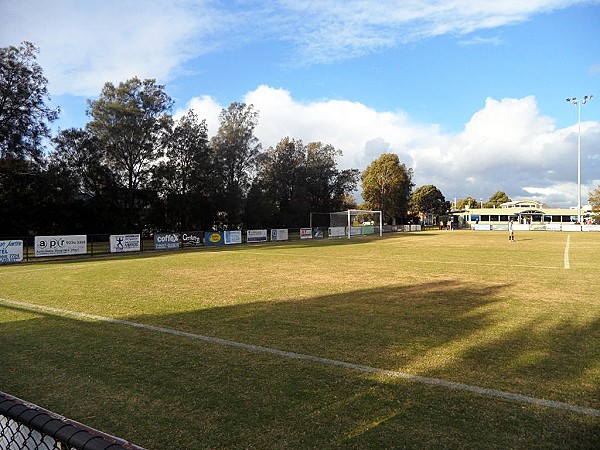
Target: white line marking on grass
x=566 y=258
x=404 y=260
x=504 y=395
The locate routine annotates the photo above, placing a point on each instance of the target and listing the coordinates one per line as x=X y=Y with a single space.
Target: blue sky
x=470 y=94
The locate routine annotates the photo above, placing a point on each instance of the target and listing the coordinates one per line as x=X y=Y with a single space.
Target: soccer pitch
x=436 y=339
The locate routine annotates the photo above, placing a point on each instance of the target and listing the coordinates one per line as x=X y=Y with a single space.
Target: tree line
x=134 y=167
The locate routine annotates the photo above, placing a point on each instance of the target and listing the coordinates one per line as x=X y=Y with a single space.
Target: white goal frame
x=350 y=213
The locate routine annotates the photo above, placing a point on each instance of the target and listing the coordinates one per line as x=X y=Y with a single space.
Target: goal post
x=355 y=222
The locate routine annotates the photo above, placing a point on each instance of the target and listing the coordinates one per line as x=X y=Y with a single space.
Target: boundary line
x=566 y=256
x=494 y=393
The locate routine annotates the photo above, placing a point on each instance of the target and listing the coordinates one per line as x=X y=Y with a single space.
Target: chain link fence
x=25 y=426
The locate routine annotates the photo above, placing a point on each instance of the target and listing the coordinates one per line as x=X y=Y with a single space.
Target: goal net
x=355 y=222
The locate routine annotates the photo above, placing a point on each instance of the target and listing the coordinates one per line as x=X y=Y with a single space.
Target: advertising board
x=306 y=233
x=125 y=243
x=256 y=236
x=60 y=245
x=336 y=231
x=191 y=239
x=11 y=251
x=212 y=238
x=233 y=237
x=166 y=241
x=280 y=234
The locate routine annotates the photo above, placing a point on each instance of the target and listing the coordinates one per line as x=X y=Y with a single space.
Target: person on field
x=511 y=230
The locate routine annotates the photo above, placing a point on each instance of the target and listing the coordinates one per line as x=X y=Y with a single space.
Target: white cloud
x=86 y=43
x=507 y=145
x=478 y=40
x=205 y=108
x=352 y=127
x=333 y=31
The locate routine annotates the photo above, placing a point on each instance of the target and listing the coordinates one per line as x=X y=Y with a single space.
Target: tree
x=496 y=200
x=130 y=122
x=386 y=186
x=294 y=179
x=185 y=177
x=282 y=179
x=467 y=202
x=20 y=180
x=594 y=200
x=235 y=150
x=327 y=187
x=77 y=152
x=77 y=156
x=24 y=116
x=428 y=199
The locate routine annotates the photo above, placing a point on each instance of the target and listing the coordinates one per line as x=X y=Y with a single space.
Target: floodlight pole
x=578 y=103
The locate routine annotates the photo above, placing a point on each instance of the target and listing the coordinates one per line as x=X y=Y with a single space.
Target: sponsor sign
x=482 y=227
x=356 y=231
x=279 y=234
x=590 y=228
x=256 y=236
x=368 y=229
x=336 y=231
x=60 y=245
x=11 y=251
x=166 y=241
x=233 y=237
x=306 y=233
x=191 y=239
x=318 y=233
x=125 y=243
x=212 y=238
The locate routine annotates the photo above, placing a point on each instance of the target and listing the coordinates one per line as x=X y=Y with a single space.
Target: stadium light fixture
x=578 y=102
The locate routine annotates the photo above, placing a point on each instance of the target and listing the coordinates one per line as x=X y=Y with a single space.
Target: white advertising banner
x=337 y=231
x=256 y=236
x=11 y=251
x=233 y=237
x=60 y=245
x=280 y=234
x=125 y=243
x=356 y=231
x=590 y=227
x=306 y=233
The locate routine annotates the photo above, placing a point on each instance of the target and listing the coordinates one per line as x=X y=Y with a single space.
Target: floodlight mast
x=578 y=102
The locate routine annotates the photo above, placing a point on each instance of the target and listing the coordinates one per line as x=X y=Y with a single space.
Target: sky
x=470 y=94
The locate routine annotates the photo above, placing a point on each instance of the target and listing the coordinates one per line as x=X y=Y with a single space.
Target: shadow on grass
x=166 y=391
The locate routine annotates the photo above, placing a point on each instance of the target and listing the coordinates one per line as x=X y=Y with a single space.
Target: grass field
x=465 y=307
